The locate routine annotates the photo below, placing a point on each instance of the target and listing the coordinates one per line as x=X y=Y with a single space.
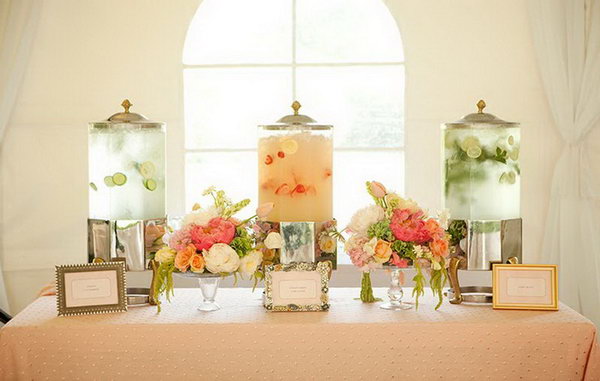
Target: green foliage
x=223 y=203
x=404 y=249
x=243 y=242
x=381 y=230
x=419 y=289
x=437 y=283
x=366 y=289
x=457 y=230
x=164 y=282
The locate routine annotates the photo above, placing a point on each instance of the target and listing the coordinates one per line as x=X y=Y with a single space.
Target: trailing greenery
x=419 y=289
x=164 y=281
x=436 y=282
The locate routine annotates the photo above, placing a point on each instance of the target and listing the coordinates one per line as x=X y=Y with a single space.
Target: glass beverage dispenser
x=127 y=206
x=295 y=170
x=482 y=184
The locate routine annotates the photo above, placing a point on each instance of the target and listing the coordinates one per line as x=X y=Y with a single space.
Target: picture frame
x=91 y=288
x=297 y=286
x=298 y=242
x=525 y=287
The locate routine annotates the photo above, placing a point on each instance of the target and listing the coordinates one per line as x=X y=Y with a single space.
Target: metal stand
x=469 y=294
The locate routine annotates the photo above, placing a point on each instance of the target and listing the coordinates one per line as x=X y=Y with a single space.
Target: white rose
x=328 y=244
x=250 y=262
x=166 y=254
x=273 y=241
x=221 y=258
x=365 y=217
x=201 y=217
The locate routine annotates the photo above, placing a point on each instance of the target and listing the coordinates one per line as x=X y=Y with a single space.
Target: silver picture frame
x=115 y=302
x=320 y=271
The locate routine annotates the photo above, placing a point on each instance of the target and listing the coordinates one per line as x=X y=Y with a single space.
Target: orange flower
x=183 y=258
x=434 y=229
x=383 y=251
x=439 y=247
x=197 y=263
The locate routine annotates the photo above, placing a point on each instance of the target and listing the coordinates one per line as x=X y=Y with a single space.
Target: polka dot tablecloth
x=353 y=341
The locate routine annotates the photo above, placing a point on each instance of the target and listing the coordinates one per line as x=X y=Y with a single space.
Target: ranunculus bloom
x=439 y=247
x=218 y=230
x=273 y=241
x=434 y=229
x=221 y=258
x=409 y=227
x=250 y=262
x=377 y=189
x=327 y=244
x=263 y=210
x=183 y=257
x=166 y=254
x=383 y=251
x=197 y=263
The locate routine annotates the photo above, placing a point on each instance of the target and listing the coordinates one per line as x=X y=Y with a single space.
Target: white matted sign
x=91 y=288
x=525 y=287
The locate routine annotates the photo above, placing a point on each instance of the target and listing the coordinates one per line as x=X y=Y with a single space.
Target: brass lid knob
x=480 y=106
x=126 y=105
x=296 y=106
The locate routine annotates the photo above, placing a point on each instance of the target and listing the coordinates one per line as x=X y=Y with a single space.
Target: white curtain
x=566 y=36
x=18 y=22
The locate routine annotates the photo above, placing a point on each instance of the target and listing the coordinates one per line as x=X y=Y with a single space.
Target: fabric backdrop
x=18 y=21
x=566 y=36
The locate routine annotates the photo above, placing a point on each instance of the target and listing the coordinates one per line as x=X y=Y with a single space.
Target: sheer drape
x=19 y=19
x=566 y=36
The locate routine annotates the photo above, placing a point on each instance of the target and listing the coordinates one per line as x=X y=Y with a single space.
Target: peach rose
x=197 y=263
x=439 y=247
x=183 y=258
x=383 y=251
x=434 y=229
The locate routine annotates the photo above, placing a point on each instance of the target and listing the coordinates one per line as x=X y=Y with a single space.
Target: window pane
x=234 y=172
x=365 y=104
x=236 y=31
x=346 y=31
x=223 y=106
x=350 y=172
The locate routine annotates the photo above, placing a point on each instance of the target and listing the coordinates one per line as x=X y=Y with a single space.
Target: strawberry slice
x=281 y=154
x=311 y=190
x=283 y=189
x=327 y=173
x=269 y=160
x=299 y=189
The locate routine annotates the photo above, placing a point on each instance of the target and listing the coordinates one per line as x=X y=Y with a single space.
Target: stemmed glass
x=395 y=293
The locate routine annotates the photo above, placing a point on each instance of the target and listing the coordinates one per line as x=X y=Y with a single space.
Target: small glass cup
x=395 y=293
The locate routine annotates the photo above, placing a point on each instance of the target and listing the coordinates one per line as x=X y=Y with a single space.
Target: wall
x=89 y=55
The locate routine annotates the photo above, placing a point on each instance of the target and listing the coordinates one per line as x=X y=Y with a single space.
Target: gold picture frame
x=525 y=287
x=306 y=286
x=91 y=288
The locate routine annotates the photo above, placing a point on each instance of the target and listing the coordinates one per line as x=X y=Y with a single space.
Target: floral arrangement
x=396 y=231
x=210 y=240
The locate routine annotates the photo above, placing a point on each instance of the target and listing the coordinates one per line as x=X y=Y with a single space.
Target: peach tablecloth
x=351 y=341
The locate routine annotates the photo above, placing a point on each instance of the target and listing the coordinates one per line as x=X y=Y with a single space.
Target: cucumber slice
x=93 y=186
x=108 y=180
x=119 y=178
x=147 y=169
x=150 y=184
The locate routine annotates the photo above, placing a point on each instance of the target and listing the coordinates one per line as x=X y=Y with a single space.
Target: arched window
x=245 y=61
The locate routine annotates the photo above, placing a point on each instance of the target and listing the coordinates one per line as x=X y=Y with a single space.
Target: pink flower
x=218 y=230
x=263 y=210
x=400 y=263
x=377 y=189
x=409 y=227
x=180 y=239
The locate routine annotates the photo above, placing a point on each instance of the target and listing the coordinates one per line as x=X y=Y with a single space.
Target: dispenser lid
x=480 y=119
x=297 y=120
x=125 y=117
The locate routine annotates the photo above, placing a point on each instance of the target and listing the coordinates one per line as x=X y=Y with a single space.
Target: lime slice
x=93 y=186
x=289 y=146
x=511 y=177
x=474 y=152
x=150 y=184
x=470 y=141
x=514 y=154
x=108 y=180
x=119 y=178
x=511 y=140
x=147 y=169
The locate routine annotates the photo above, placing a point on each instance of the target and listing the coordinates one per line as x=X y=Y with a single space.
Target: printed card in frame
x=525 y=287
x=297 y=286
x=91 y=288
